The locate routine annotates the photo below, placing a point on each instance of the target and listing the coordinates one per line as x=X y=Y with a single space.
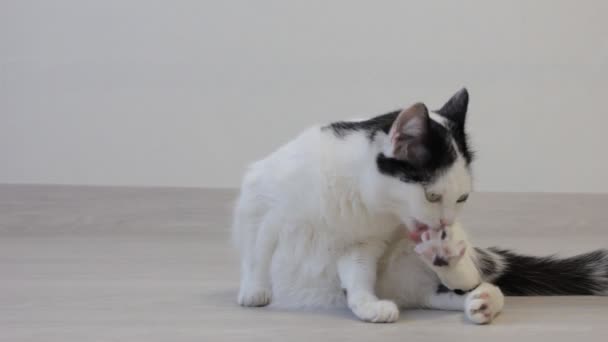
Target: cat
x=317 y=220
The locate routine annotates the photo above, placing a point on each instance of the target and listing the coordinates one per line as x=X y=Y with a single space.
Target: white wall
x=187 y=92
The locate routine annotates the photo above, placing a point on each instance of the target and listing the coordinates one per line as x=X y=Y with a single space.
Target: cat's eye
x=432 y=197
x=463 y=198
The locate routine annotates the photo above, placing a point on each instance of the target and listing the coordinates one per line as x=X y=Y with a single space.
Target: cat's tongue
x=416 y=234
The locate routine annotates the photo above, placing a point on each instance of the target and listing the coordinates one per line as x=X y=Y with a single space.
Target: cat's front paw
x=484 y=303
x=377 y=311
x=254 y=296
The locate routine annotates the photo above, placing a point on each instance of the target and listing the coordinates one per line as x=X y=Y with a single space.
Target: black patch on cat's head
x=441 y=155
x=380 y=123
x=437 y=141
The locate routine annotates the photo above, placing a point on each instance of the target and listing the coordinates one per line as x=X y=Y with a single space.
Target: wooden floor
x=133 y=264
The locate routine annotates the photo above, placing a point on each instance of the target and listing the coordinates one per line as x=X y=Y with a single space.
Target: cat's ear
x=456 y=108
x=408 y=134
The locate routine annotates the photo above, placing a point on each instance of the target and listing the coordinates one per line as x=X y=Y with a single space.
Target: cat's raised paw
x=438 y=251
x=254 y=296
x=379 y=311
x=484 y=303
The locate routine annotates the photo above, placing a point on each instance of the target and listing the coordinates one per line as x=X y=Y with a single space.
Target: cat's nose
x=445 y=222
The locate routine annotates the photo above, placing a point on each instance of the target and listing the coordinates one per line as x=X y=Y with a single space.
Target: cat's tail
x=520 y=275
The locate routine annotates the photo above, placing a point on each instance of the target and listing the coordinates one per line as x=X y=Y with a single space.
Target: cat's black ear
x=456 y=107
x=408 y=134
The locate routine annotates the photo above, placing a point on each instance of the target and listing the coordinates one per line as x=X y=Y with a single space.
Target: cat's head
x=425 y=164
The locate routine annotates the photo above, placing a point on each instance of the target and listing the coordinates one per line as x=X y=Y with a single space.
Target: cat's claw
x=484 y=303
x=254 y=296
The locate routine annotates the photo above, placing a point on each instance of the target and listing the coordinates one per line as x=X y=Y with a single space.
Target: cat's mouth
x=415 y=232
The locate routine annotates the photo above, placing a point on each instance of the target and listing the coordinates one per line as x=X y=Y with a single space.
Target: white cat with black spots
x=336 y=217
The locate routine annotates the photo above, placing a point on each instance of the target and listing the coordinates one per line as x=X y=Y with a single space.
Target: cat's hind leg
x=480 y=306
x=484 y=303
x=257 y=239
x=451 y=263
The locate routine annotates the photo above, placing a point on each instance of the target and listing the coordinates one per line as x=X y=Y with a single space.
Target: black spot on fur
x=442 y=155
x=442 y=289
x=440 y=262
x=402 y=170
x=438 y=140
x=462 y=142
x=585 y=274
x=381 y=123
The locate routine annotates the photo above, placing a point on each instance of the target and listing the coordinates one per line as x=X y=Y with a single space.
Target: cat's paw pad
x=254 y=296
x=439 y=251
x=378 y=311
x=484 y=303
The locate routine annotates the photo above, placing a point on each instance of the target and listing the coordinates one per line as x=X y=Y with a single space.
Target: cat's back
x=318 y=170
x=287 y=171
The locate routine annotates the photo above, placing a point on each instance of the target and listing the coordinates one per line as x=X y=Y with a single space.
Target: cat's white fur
x=316 y=217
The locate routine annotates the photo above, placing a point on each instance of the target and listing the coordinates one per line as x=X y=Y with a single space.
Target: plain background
x=186 y=93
